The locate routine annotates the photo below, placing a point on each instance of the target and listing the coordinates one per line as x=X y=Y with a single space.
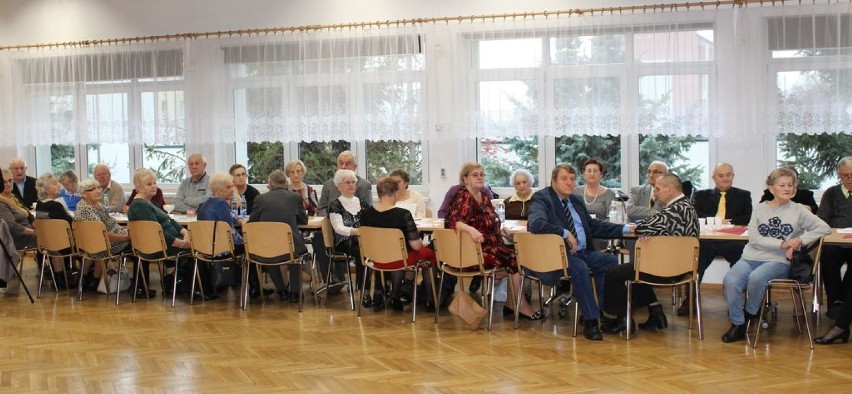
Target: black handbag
x=802 y=266
x=224 y=275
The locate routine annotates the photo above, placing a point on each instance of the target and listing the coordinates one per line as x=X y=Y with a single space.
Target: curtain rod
x=670 y=7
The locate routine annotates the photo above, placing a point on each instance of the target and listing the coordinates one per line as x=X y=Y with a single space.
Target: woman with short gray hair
x=344 y=213
x=50 y=205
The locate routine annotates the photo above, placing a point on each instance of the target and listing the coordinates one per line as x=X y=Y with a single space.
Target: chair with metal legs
x=270 y=244
x=540 y=253
x=459 y=256
x=149 y=245
x=93 y=244
x=212 y=243
x=55 y=240
x=334 y=257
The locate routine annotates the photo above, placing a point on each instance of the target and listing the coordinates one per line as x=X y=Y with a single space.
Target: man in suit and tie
x=556 y=210
x=835 y=208
x=23 y=185
x=724 y=201
x=641 y=203
x=282 y=205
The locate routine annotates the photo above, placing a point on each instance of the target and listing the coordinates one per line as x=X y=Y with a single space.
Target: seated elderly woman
x=409 y=197
x=296 y=171
x=217 y=207
x=13 y=212
x=242 y=187
x=177 y=237
x=91 y=209
x=471 y=211
x=50 y=205
x=518 y=205
x=344 y=213
x=68 y=180
x=385 y=214
x=777 y=229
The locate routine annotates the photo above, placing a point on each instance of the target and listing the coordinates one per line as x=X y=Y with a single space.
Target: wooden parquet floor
x=61 y=345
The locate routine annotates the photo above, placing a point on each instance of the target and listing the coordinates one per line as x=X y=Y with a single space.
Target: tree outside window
x=320 y=159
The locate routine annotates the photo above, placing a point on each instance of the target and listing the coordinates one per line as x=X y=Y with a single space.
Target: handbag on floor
x=113 y=281
x=466 y=308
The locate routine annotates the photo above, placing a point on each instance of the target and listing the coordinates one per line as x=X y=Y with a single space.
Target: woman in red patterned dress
x=471 y=211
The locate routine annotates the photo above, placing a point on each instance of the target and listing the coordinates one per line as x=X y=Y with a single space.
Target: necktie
x=722 y=203
x=849 y=196
x=570 y=218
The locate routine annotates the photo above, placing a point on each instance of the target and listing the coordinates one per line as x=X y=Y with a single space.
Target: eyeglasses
x=847 y=176
x=477 y=174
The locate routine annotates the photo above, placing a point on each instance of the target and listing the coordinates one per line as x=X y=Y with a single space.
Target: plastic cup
x=190 y=213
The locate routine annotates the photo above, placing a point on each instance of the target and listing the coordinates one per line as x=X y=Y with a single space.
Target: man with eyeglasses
x=835 y=208
x=641 y=203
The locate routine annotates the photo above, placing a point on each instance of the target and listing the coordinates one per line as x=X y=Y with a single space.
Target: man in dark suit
x=737 y=209
x=835 y=208
x=676 y=218
x=282 y=205
x=556 y=210
x=23 y=186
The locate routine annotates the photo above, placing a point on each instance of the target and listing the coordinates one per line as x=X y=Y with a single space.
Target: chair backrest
x=54 y=236
x=210 y=238
x=667 y=256
x=541 y=252
x=457 y=249
x=268 y=241
x=92 y=239
x=147 y=239
x=327 y=233
x=382 y=245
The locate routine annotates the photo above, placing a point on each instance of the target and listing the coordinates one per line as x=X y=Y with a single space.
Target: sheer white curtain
x=337 y=84
x=91 y=95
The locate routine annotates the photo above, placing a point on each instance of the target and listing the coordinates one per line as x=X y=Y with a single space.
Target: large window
x=687 y=157
x=500 y=157
x=320 y=159
x=814 y=156
x=383 y=157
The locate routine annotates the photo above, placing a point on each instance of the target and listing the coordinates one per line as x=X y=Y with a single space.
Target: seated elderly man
x=112 y=189
x=23 y=185
x=193 y=191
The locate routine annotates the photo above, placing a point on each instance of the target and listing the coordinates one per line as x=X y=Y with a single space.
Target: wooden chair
x=54 y=238
x=672 y=258
x=796 y=289
x=383 y=250
x=541 y=253
x=149 y=245
x=212 y=243
x=334 y=257
x=270 y=244
x=93 y=244
x=459 y=256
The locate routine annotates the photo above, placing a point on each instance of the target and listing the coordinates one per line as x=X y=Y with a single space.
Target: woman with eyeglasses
x=295 y=171
x=91 y=209
x=246 y=191
x=597 y=197
x=470 y=210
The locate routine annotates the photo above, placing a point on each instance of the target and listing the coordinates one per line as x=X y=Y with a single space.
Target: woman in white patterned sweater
x=777 y=229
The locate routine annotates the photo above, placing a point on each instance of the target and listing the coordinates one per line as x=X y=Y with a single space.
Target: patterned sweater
x=678 y=218
x=770 y=226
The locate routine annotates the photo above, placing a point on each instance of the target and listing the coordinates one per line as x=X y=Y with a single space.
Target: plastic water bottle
x=501 y=211
x=105 y=202
x=235 y=206
x=243 y=206
x=614 y=214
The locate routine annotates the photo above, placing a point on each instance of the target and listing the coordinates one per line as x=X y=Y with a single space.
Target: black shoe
x=834 y=310
x=60 y=281
x=396 y=304
x=656 y=319
x=367 y=302
x=379 y=302
x=140 y=293
x=592 y=332
x=508 y=311
x=683 y=309
x=430 y=306
x=833 y=334
x=618 y=325
x=91 y=283
x=538 y=315
x=475 y=284
x=735 y=333
x=293 y=298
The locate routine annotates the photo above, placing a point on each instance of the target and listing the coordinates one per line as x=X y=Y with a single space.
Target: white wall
x=41 y=21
